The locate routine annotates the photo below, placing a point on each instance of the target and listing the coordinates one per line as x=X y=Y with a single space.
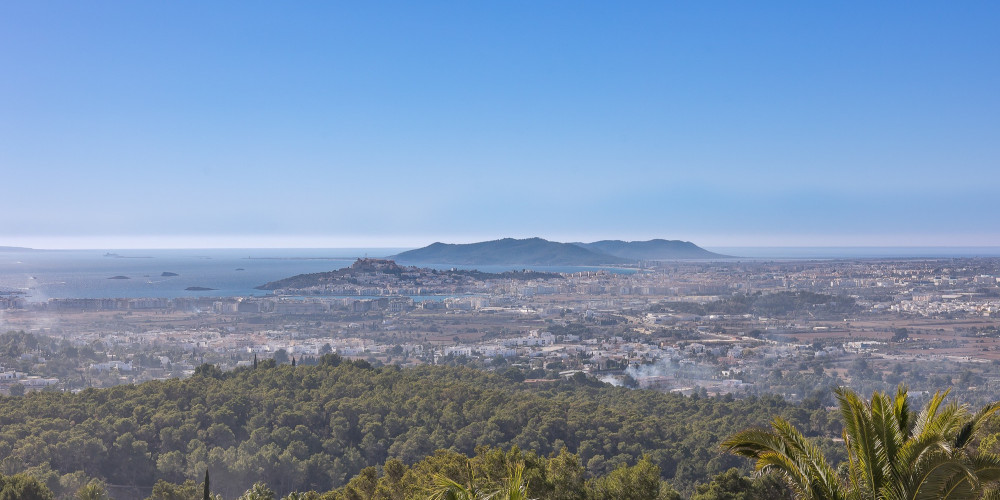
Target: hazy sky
x=270 y=124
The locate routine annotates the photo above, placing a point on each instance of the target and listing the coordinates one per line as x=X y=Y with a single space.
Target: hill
x=510 y=251
x=315 y=427
x=358 y=268
x=388 y=272
x=657 y=249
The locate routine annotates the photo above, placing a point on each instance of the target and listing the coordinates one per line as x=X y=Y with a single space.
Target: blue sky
x=319 y=124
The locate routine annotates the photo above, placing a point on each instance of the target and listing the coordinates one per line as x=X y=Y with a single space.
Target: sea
x=39 y=275
x=44 y=274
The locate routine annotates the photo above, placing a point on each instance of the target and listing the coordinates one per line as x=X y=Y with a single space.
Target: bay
x=41 y=275
x=45 y=274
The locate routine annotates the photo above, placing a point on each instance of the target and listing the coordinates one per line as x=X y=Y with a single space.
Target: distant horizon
x=736 y=250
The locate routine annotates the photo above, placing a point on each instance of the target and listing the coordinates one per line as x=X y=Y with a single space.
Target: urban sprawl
x=794 y=328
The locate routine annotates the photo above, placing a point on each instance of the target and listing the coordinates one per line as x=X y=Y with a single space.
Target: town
x=793 y=328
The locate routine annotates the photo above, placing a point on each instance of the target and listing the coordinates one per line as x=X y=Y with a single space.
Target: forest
x=321 y=427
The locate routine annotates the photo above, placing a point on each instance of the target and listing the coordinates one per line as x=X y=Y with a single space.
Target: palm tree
x=449 y=489
x=513 y=487
x=892 y=453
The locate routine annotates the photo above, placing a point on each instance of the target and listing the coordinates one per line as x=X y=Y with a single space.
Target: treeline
x=315 y=427
x=772 y=304
x=558 y=477
x=447 y=474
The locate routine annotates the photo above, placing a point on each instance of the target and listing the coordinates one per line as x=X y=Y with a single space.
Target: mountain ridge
x=509 y=251
x=542 y=252
x=655 y=249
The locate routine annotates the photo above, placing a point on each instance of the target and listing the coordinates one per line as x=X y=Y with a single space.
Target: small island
x=168 y=273
x=198 y=289
x=119 y=278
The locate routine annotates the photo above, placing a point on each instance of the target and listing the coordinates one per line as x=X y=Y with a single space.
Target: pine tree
x=206 y=496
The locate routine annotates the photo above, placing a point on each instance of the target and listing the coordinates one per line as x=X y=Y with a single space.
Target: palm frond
x=901 y=411
x=930 y=482
x=985 y=469
x=892 y=453
x=929 y=411
x=975 y=424
x=449 y=489
x=786 y=451
x=514 y=487
x=861 y=440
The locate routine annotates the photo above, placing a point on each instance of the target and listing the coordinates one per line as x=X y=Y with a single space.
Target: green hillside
x=315 y=427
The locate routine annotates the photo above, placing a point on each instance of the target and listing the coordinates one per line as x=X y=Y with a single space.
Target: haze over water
x=86 y=273
x=42 y=275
